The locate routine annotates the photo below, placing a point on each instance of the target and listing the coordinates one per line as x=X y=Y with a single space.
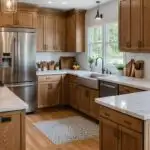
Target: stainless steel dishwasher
x=108 y=89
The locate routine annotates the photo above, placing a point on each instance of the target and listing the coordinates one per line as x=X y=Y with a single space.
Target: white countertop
x=56 y=72
x=9 y=101
x=143 y=84
x=136 y=104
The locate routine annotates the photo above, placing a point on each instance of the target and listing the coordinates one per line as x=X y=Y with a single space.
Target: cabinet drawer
x=122 y=119
x=72 y=78
x=52 y=78
x=126 y=89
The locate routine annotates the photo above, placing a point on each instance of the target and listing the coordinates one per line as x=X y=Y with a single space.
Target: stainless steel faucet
x=96 y=63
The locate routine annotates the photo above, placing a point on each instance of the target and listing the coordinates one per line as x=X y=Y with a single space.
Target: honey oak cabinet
x=127 y=90
x=51 y=32
x=133 y=25
x=124 y=132
x=7 y=19
x=12 y=131
x=76 y=31
x=94 y=107
x=49 y=91
x=84 y=104
x=26 y=19
x=108 y=135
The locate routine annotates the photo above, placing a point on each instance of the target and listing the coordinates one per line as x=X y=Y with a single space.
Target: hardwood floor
x=35 y=140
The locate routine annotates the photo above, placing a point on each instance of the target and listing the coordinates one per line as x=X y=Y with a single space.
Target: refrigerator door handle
x=20 y=85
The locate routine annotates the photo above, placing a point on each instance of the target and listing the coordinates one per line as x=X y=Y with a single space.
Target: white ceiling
x=57 y=4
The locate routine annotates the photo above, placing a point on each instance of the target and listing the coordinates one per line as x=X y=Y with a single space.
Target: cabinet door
x=73 y=95
x=94 y=108
x=54 y=93
x=84 y=102
x=108 y=135
x=80 y=31
x=60 y=33
x=130 y=140
x=10 y=132
x=136 y=42
x=42 y=95
x=27 y=19
x=49 y=94
x=146 y=25
x=40 y=33
x=6 y=19
x=49 y=32
x=124 y=25
x=71 y=33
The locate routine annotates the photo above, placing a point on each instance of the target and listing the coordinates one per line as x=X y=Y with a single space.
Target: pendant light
x=98 y=15
x=9 y=6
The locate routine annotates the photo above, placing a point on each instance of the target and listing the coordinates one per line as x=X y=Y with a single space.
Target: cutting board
x=67 y=62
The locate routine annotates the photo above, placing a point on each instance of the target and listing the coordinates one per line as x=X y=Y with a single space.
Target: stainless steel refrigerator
x=18 y=63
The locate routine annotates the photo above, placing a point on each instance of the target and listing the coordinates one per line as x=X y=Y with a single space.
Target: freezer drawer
x=27 y=92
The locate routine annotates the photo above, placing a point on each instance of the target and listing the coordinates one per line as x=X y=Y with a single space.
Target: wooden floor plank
x=35 y=140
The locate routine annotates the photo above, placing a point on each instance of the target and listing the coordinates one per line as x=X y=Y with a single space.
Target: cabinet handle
x=5 y=119
x=50 y=86
x=128 y=44
x=139 y=44
x=106 y=114
x=128 y=123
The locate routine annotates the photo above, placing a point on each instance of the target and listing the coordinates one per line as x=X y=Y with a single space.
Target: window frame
x=104 y=42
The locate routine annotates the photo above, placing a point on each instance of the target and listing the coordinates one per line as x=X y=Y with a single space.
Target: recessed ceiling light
x=50 y=2
x=64 y=2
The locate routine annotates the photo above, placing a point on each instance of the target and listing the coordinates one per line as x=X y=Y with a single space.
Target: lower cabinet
x=74 y=95
x=12 y=130
x=117 y=137
x=49 y=94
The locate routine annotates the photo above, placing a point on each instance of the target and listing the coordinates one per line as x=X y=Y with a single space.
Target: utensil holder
x=139 y=73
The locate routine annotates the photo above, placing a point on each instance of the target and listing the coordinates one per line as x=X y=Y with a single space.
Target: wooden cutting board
x=67 y=62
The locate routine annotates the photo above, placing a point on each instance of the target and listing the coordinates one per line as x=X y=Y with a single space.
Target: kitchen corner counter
x=10 y=102
x=136 y=104
x=143 y=84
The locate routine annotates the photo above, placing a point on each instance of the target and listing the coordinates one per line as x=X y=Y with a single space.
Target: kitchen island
x=125 y=122
x=12 y=121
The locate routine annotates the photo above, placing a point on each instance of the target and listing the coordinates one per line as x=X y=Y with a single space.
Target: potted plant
x=91 y=61
x=120 y=68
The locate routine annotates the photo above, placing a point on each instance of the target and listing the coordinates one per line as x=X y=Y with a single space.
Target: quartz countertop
x=56 y=72
x=135 y=104
x=9 y=101
x=143 y=84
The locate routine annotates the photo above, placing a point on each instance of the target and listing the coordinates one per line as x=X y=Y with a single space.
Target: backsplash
x=48 y=56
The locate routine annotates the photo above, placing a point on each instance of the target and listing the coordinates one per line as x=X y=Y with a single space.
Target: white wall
x=48 y=56
x=110 y=12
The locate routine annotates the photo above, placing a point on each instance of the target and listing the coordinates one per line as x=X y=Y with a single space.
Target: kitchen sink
x=90 y=80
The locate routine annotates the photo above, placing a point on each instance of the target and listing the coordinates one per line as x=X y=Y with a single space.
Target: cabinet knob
x=128 y=44
x=50 y=86
x=139 y=44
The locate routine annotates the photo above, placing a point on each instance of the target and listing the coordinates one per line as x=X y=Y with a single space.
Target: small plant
x=120 y=66
x=91 y=61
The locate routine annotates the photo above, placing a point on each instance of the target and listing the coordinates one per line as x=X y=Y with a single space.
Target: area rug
x=68 y=129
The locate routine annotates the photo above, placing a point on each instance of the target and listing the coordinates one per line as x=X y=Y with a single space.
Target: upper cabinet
x=25 y=17
x=51 y=32
x=134 y=23
x=76 y=31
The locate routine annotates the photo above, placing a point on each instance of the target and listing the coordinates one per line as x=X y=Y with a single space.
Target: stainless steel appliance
x=18 y=63
x=108 y=89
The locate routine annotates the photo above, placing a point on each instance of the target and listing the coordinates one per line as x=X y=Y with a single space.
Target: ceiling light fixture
x=64 y=2
x=9 y=6
x=50 y=2
x=98 y=15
